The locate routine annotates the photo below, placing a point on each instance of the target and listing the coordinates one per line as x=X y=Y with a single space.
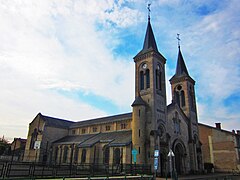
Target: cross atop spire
x=178 y=38
x=149 y=11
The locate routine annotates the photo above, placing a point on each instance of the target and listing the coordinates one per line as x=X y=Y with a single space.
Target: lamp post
x=170 y=155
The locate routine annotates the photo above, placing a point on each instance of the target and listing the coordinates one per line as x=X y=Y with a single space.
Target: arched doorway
x=179 y=158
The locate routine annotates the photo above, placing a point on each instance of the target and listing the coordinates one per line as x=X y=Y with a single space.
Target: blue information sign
x=134 y=153
x=155 y=163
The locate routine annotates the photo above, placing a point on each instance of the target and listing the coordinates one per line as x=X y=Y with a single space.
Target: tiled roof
x=149 y=42
x=55 y=122
x=74 y=139
x=138 y=101
x=181 y=69
x=116 y=138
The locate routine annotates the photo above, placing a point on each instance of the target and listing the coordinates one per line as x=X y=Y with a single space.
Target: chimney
x=218 y=125
x=238 y=132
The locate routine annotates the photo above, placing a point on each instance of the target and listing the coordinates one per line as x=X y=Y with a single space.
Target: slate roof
x=115 y=138
x=138 y=101
x=56 y=122
x=149 y=42
x=102 y=120
x=181 y=69
x=74 y=139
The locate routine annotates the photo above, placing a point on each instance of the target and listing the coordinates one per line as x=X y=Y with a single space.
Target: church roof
x=149 y=42
x=74 y=139
x=181 y=69
x=56 y=122
x=115 y=138
x=102 y=120
x=138 y=101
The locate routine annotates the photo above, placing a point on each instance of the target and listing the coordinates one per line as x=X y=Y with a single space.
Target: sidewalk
x=213 y=176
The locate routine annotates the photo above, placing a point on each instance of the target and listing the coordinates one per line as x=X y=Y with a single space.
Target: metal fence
x=34 y=170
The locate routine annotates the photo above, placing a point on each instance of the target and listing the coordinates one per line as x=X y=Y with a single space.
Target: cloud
x=50 y=49
x=51 y=46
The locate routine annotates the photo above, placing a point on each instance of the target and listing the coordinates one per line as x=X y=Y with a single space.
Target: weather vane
x=178 y=38
x=149 y=10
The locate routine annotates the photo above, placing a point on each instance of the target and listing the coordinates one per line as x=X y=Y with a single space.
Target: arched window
x=106 y=155
x=158 y=79
x=177 y=98
x=147 y=79
x=83 y=158
x=182 y=98
x=76 y=154
x=56 y=154
x=65 y=154
x=33 y=138
x=116 y=156
x=176 y=122
x=141 y=80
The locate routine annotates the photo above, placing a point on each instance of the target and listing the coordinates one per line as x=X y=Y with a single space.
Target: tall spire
x=149 y=40
x=181 y=67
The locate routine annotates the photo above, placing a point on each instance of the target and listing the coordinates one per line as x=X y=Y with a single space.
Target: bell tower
x=183 y=93
x=149 y=106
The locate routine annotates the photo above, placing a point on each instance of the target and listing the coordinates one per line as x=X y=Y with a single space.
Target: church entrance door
x=179 y=158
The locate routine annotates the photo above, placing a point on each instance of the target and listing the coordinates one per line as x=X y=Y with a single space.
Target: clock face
x=144 y=66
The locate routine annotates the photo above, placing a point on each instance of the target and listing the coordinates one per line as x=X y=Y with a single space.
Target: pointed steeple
x=149 y=41
x=181 y=69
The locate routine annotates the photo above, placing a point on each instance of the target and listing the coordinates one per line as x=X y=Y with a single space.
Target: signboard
x=156 y=153
x=155 y=163
x=134 y=153
x=37 y=144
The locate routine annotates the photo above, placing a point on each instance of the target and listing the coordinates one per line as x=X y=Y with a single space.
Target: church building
x=152 y=124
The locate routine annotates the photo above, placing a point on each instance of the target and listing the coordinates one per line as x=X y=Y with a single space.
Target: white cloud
x=47 y=46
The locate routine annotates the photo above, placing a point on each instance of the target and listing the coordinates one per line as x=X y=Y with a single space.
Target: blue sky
x=73 y=59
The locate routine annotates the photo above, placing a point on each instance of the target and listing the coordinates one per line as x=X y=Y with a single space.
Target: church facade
x=152 y=124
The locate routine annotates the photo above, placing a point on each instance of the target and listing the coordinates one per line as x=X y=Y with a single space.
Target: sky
x=73 y=59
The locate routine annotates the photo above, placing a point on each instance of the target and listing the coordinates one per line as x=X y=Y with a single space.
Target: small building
x=220 y=147
x=17 y=148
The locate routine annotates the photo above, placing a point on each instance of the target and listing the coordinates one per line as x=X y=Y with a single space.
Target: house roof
x=102 y=120
x=223 y=130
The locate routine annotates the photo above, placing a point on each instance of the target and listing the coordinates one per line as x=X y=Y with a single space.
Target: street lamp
x=170 y=155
